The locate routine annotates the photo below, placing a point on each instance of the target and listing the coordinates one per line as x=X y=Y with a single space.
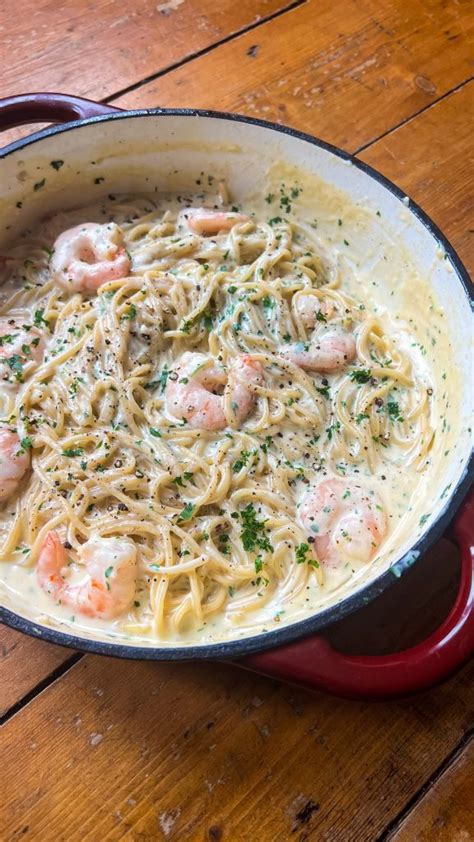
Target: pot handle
x=314 y=664
x=48 y=108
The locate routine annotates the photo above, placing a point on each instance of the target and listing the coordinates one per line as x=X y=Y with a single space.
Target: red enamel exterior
x=48 y=108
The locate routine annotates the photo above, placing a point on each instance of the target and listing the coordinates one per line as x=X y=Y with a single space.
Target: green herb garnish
x=130 y=314
x=183 y=479
x=301 y=551
x=360 y=375
x=253 y=530
x=39 y=320
x=73 y=451
x=186 y=514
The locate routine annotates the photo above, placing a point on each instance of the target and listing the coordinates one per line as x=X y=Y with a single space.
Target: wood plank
x=24 y=663
x=345 y=74
x=186 y=751
x=446 y=812
x=431 y=158
x=97 y=48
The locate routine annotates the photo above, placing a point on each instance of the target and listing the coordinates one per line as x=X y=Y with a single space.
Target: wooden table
x=102 y=749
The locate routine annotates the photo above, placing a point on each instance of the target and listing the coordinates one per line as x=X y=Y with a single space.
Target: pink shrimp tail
x=51 y=559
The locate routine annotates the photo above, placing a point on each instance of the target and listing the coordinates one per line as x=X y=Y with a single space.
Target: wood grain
x=344 y=72
x=97 y=48
x=431 y=158
x=117 y=750
x=24 y=663
x=178 y=751
x=446 y=812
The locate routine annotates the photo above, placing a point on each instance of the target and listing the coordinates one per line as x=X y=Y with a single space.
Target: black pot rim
x=316 y=623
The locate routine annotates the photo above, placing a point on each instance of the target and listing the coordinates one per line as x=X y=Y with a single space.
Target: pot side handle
x=48 y=108
x=314 y=664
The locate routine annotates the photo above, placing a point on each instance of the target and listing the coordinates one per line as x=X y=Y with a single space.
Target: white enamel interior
x=168 y=152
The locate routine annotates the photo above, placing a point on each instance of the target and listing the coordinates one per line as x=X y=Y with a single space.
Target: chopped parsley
x=241 y=463
x=187 y=325
x=393 y=410
x=130 y=314
x=73 y=451
x=186 y=513
x=155 y=432
x=360 y=375
x=182 y=479
x=38 y=319
x=304 y=555
x=15 y=362
x=332 y=429
x=207 y=320
x=301 y=551
x=163 y=379
x=253 y=530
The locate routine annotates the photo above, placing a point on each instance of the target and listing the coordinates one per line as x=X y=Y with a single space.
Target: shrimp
x=89 y=255
x=208 y=222
x=330 y=349
x=19 y=343
x=195 y=393
x=311 y=309
x=108 y=587
x=14 y=463
x=346 y=522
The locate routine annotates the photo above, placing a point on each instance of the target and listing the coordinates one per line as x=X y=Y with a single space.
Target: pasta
x=109 y=410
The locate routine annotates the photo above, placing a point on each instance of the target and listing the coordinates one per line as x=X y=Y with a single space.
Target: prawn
x=311 y=309
x=108 y=587
x=89 y=255
x=345 y=522
x=195 y=392
x=329 y=349
x=19 y=344
x=14 y=463
x=208 y=222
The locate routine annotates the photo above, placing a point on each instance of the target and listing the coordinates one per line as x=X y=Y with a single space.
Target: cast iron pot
x=129 y=147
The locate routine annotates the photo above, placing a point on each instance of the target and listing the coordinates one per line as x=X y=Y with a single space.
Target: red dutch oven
x=298 y=652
